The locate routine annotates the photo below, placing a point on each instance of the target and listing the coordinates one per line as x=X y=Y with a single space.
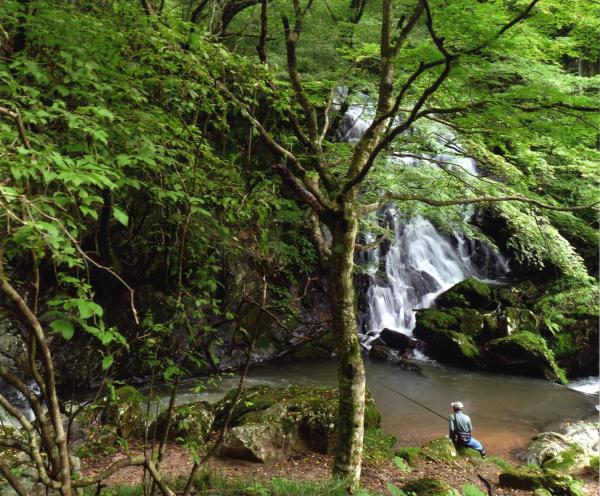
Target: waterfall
x=419 y=263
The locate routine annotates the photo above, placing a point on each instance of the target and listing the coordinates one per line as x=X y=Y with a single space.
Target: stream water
x=507 y=411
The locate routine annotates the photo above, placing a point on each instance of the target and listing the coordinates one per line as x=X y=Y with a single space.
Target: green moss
x=565 y=460
x=468 y=293
x=595 y=464
x=125 y=411
x=521 y=319
x=500 y=462
x=469 y=453
x=440 y=450
x=524 y=353
x=372 y=414
x=378 y=446
x=427 y=487
x=471 y=322
x=430 y=319
x=410 y=454
x=190 y=423
x=532 y=478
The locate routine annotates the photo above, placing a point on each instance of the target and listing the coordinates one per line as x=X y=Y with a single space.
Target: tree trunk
x=351 y=372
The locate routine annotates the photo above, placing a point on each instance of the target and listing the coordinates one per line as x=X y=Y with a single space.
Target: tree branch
x=387 y=197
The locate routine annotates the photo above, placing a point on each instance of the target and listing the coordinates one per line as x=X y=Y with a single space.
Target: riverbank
x=313 y=468
x=507 y=411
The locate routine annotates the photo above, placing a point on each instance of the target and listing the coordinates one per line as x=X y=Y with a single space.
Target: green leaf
x=88 y=309
x=63 y=327
x=394 y=490
x=107 y=361
x=401 y=464
x=470 y=490
x=121 y=216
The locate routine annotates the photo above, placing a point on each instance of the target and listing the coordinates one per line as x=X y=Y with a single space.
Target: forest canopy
x=180 y=177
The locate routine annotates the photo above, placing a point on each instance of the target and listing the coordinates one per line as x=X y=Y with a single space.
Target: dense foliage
x=172 y=172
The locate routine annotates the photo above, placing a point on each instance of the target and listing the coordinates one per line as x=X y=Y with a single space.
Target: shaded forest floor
x=317 y=467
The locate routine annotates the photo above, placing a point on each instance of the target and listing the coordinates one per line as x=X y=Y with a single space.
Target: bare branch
x=128 y=461
x=17 y=117
x=12 y=480
x=430 y=90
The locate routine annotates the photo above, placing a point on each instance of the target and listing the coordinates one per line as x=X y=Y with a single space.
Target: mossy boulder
x=190 y=423
x=440 y=450
x=523 y=353
x=270 y=423
x=410 y=454
x=471 y=322
x=519 y=319
x=322 y=346
x=430 y=320
x=427 y=487
x=533 y=478
x=451 y=346
x=570 y=451
x=397 y=340
x=471 y=293
x=468 y=453
x=126 y=411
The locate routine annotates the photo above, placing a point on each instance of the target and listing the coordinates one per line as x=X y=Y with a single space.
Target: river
x=507 y=411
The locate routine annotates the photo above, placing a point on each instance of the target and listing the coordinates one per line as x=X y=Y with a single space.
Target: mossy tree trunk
x=351 y=372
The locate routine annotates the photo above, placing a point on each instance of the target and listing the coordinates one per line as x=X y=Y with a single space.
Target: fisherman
x=460 y=429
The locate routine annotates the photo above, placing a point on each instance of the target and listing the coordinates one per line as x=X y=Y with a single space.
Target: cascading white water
x=420 y=263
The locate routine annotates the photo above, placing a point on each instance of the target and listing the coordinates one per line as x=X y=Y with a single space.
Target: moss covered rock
x=192 y=422
x=440 y=450
x=430 y=320
x=410 y=454
x=427 y=487
x=518 y=320
x=125 y=411
x=471 y=293
x=451 y=346
x=570 y=451
x=523 y=353
x=534 y=478
x=270 y=423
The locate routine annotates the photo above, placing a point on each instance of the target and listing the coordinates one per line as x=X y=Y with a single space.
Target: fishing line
x=410 y=399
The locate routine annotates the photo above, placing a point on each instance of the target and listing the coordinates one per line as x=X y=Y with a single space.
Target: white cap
x=457 y=404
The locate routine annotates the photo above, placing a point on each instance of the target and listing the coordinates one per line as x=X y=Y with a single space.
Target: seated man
x=460 y=430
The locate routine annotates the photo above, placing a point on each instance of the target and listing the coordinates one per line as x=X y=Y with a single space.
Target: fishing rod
x=410 y=399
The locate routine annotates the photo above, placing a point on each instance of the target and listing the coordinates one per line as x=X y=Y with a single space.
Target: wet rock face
x=271 y=423
x=397 y=340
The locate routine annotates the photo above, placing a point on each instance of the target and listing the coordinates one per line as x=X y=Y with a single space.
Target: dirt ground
x=313 y=466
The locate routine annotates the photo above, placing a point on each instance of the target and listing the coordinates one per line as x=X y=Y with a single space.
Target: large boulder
x=268 y=423
x=447 y=345
x=572 y=450
x=522 y=353
x=190 y=423
x=126 y=411
x=471 y=293
x=428 y=487
x=397 y=340
x=533 y=478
